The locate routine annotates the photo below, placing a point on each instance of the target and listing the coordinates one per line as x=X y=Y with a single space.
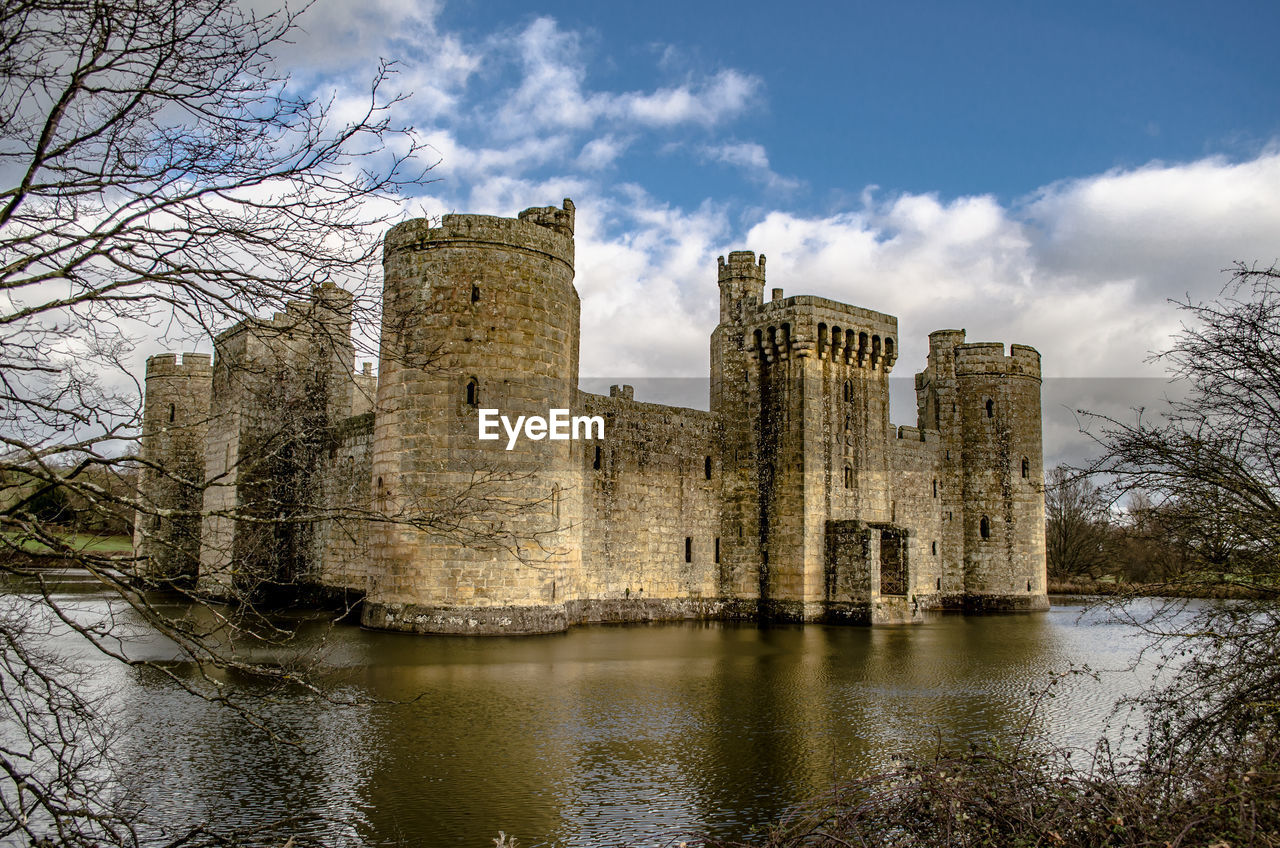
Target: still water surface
x=606 y=735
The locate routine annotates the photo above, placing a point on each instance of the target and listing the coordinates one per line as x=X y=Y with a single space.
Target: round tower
x=175 y=420
x=741 y=284
x=480 y=320
x=1002 y=477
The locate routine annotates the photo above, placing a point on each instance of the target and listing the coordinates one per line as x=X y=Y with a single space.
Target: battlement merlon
x=989 y=358
x=555 y=218
x=179 y=365
x=826 y=329
x=540 y=230
x=742 y=264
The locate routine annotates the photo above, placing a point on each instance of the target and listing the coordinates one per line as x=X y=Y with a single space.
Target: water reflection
x=605 y=734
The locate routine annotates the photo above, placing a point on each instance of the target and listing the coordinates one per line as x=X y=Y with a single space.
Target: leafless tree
x=159 y=178
x=1077 y=526
x=1208 y=469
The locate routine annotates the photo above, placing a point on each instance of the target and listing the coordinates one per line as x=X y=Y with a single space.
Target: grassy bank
x=1181 y=589
x=85 y=542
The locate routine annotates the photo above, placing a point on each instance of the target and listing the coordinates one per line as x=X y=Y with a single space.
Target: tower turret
x=174 y=423
x=741 y=283
x=735 y=400
x=1002 y=476
x=480 y=313
x=281 y=385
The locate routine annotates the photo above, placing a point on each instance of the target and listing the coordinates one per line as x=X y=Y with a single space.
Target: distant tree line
x=1091 y=538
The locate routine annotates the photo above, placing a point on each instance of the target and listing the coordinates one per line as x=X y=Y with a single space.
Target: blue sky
x=955 y=98
x=1049 y=174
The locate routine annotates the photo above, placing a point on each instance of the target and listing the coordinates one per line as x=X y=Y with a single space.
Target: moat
x=605 y=735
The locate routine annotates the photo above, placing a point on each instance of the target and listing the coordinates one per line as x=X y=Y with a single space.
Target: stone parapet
x=543 y=230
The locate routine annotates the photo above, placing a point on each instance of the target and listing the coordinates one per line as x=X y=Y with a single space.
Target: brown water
x=608 y=735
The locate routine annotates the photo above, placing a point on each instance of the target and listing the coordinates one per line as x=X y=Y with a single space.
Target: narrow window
x=935 y=488
x=984 y=528
x=991 y=408
x=717 y=548
x=934 y=546
x=473 y=392
x=939 y=584
x=475 y=294
x=1028 y=585
x=848 y=477
x=596 y=462
x=707 y=466
x=848 y=390
x=172 y=412
x=1026 y=468
x=688 y=549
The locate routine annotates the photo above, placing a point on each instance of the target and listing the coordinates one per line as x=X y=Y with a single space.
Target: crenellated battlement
x=808 y=326
x=179 y=365
x=552 y=217
x=540 y=229
x=989 y=358
x=742 y=264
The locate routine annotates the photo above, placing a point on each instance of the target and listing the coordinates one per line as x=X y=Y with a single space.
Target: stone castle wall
x=344 y=557
x=792 y=499
x=651 y=526
x=915 y=460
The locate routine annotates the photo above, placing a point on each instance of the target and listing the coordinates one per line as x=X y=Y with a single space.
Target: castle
x=271 y=464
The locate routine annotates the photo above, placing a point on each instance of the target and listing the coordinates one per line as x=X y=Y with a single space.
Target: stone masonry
x=793 y=499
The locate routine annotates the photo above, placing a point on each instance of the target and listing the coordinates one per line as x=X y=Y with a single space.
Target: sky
x=1048 y=174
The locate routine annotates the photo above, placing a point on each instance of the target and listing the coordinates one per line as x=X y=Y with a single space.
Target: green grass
x=87 y=542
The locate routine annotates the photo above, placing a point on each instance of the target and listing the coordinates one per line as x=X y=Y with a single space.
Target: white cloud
x=465 y=165
x=553 y=91
x=600 y=153
x=753 y=160
x=336 y=34
x=725 y=95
